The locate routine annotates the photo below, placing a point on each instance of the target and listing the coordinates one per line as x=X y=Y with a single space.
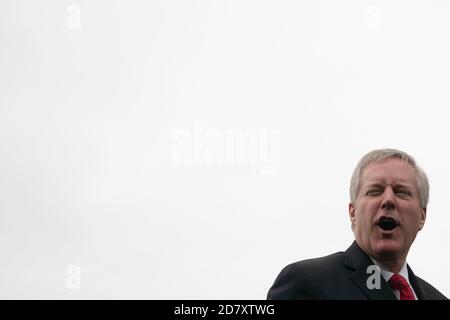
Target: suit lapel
x=418 y=289
x=357 y=262
x=385 y=292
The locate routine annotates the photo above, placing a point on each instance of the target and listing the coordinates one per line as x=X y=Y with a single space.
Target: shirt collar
x=387 y=274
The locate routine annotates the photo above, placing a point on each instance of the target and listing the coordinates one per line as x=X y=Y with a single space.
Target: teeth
x=386 y=223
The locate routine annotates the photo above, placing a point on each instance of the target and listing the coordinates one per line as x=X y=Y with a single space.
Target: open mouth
x=387 y=223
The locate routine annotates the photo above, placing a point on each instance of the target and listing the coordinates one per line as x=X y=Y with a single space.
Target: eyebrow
x=401 y=185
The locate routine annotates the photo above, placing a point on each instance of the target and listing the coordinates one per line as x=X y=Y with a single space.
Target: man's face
x=387 y=214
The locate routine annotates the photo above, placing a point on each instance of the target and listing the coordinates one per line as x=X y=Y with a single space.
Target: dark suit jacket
x=342 y=275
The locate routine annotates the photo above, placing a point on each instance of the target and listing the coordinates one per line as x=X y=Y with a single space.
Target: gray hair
x=423 y=186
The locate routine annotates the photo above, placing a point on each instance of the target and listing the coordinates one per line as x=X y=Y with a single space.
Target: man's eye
x=403 y=192
x=373 y=192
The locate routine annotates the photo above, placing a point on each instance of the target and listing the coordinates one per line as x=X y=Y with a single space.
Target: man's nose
x=388 y=201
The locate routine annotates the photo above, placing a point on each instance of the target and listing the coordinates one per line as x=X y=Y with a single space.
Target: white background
x=89 y=103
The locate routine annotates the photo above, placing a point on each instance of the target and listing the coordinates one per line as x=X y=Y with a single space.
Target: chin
x=387 y=247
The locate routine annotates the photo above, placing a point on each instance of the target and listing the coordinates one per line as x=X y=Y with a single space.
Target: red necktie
x=399 y=283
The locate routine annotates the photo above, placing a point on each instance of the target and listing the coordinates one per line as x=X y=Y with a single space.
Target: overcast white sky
x=184 y=149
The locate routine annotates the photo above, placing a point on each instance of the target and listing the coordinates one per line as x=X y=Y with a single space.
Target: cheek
x=365 y=213
x=409 y=210
x=411 y=216
x=370 y=208
x=374 y=203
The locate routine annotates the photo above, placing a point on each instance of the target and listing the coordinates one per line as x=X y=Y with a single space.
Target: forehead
x=389 y=171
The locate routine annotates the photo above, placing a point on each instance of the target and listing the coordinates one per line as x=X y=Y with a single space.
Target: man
x=388 y=207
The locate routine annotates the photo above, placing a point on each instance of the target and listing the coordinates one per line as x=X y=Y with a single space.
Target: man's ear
x=423 y=217
x=351 y=212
